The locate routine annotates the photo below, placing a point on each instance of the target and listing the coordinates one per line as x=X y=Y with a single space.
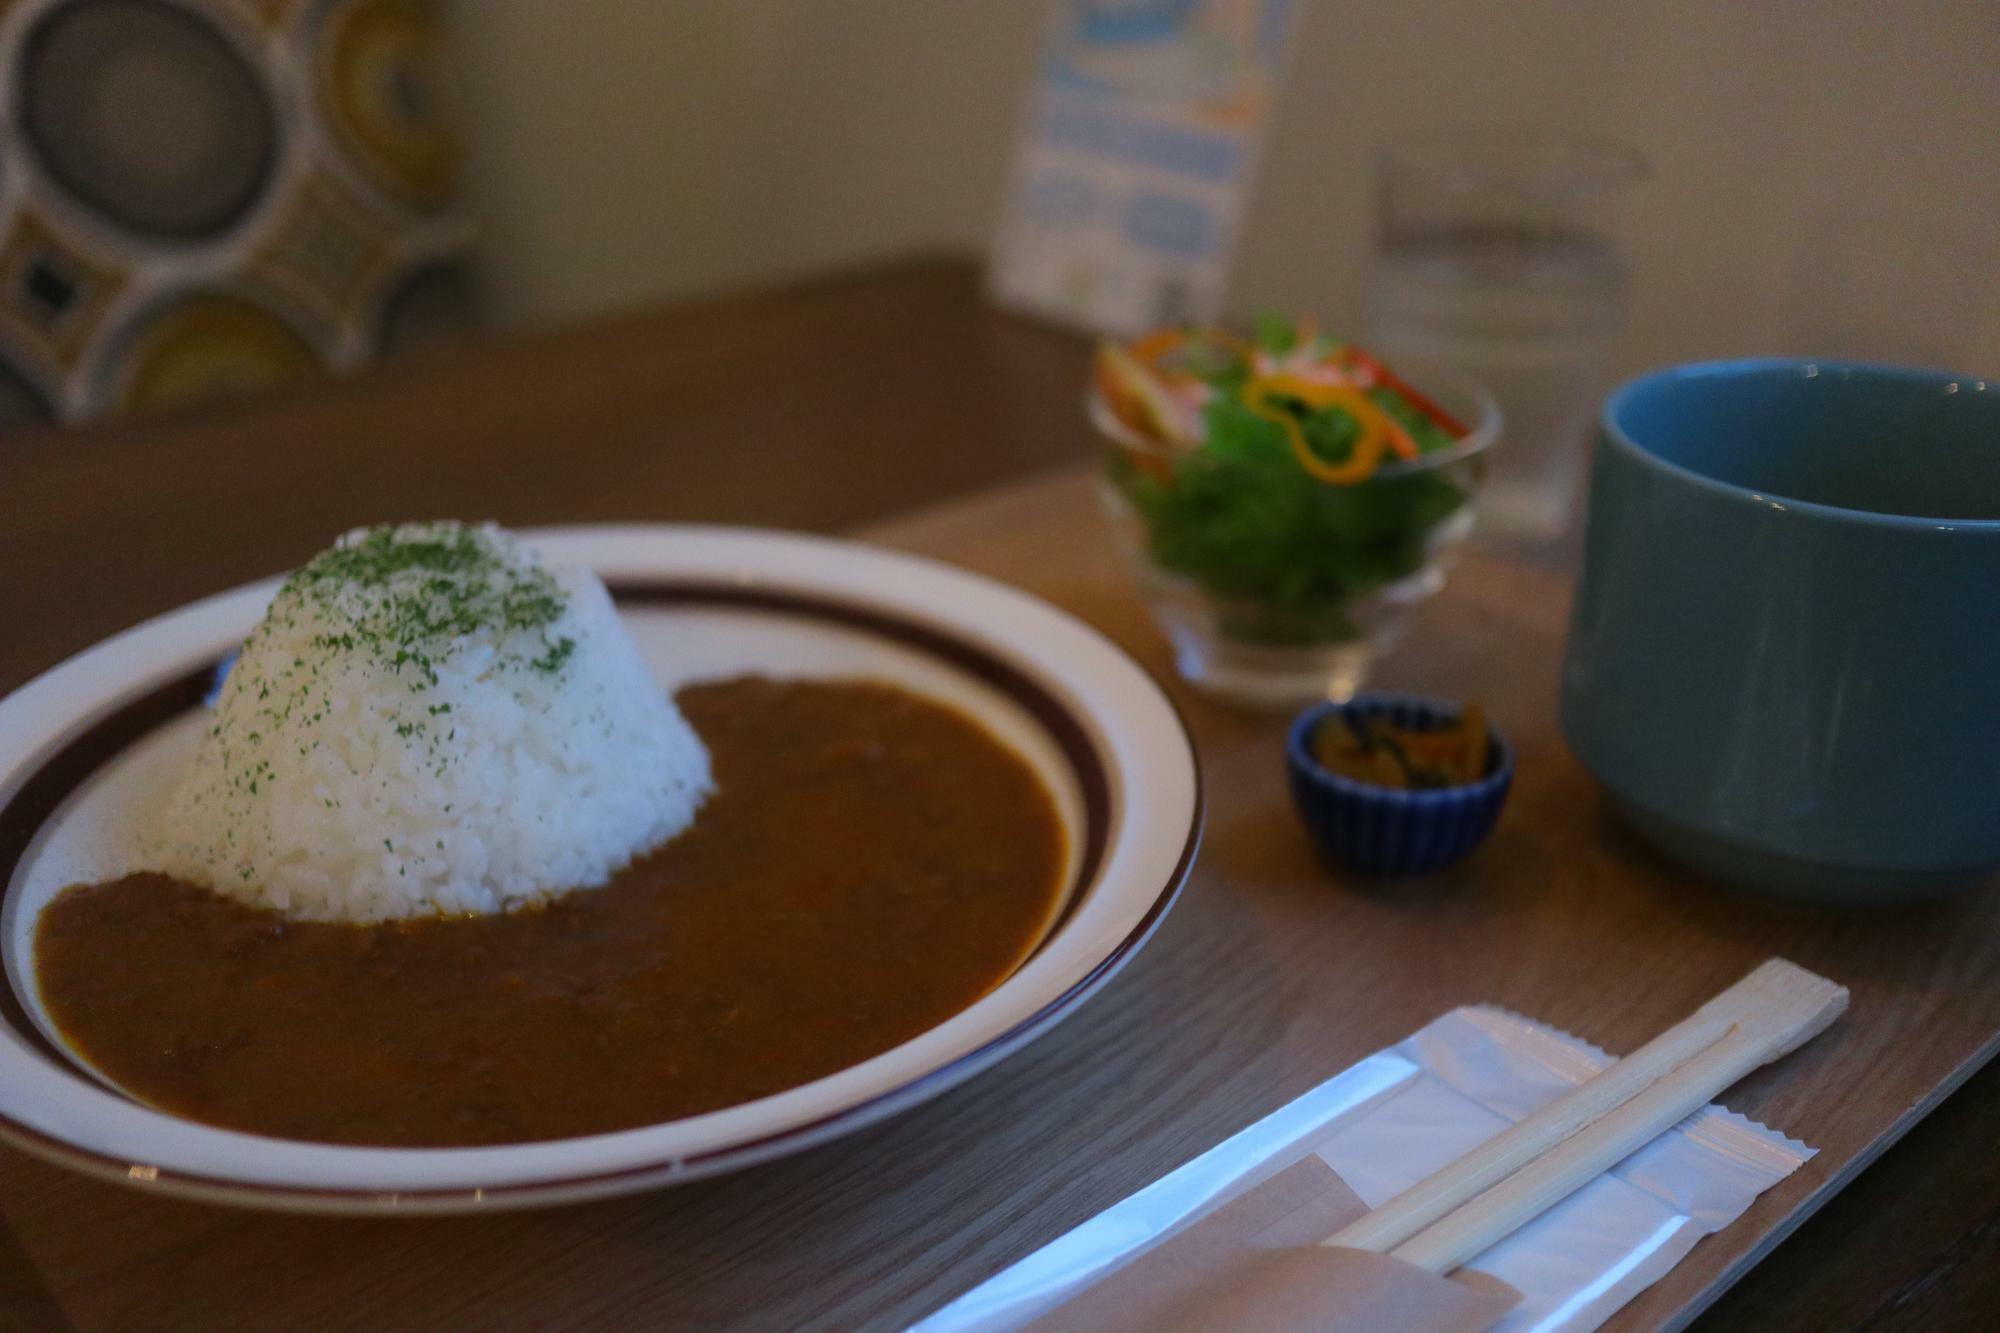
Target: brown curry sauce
x=870 y=864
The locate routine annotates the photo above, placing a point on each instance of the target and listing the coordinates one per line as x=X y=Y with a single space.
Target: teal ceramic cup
x=1784 y=659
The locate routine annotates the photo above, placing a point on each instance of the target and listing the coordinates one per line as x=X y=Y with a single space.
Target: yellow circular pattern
x=385 y=90
x=208 y=347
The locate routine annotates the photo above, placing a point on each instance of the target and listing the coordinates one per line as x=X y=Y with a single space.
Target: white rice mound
x=430 y=721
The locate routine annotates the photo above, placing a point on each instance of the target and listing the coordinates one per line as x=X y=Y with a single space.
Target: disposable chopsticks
x=1445 y=1219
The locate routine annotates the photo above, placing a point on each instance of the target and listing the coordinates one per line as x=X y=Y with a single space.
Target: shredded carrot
x=1135 y=396
x=1149 y=349
x=1354 y=356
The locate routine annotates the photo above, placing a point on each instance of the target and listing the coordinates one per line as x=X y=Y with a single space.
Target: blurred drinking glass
x=1493 y=252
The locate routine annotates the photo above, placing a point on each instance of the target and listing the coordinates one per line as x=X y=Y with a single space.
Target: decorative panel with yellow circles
x=205 y=198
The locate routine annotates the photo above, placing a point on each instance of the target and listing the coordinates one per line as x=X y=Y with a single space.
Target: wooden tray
x=1269 y=976
x=1273 y=973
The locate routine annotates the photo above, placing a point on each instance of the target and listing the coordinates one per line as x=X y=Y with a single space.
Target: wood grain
x=831 y=405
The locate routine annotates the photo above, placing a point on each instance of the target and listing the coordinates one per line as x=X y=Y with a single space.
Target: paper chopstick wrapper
x=1381 y=1126
x=1255 y=1265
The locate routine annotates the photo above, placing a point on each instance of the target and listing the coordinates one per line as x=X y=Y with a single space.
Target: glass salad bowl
x=1281 y=532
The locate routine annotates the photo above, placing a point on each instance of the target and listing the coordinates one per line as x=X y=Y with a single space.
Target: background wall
x=1825 y=175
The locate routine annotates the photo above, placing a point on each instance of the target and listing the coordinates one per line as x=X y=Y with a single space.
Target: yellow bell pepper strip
x=1357 y=405
x=1349 y=398
x=1378 y=435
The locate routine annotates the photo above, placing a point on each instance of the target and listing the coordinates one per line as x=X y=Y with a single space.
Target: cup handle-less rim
x=1617 y=437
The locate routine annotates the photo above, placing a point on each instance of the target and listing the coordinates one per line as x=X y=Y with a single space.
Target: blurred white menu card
x=1135 y=159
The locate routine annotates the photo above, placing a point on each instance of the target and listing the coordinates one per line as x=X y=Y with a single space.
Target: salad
x=1285 y=475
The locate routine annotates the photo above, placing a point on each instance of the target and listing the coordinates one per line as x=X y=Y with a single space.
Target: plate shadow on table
x=25 y=1300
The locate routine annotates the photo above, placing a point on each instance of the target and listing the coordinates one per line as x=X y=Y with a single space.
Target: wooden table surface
x=831 y=406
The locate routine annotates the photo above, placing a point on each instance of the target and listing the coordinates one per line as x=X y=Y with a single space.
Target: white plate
x=84 y=750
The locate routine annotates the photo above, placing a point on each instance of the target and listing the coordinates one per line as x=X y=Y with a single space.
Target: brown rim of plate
x=63 y=772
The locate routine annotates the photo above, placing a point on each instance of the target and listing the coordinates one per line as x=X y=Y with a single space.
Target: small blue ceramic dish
x=1384 y=831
